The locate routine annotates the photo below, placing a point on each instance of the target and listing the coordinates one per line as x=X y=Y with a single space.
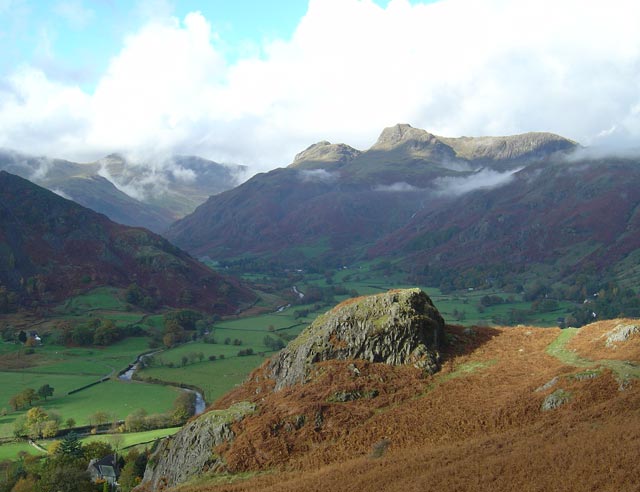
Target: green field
x=66 y=369
x=130 y=439
x=101 y=298
x=117 y=398
x=214 y=378
x=69 y=368
x=8 y=451
x=458 y=307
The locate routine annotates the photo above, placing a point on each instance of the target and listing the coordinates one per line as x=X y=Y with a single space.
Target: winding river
x=128 y=376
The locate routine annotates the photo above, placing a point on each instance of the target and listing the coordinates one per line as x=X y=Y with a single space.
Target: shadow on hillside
x=463 y=340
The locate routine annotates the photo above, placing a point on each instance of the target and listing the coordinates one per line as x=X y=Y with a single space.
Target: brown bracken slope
x=478 y=425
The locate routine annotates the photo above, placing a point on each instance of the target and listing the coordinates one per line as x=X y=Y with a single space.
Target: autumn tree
x=45 y=390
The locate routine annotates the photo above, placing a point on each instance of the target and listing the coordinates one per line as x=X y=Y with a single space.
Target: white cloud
x=455 y=67
x=317 y=175
x=397 y=187
x=483 y=179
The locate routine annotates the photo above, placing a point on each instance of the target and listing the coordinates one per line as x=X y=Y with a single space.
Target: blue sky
x=255 y=82
x=73 y=40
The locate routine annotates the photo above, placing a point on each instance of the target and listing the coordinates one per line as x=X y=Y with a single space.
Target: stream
x=128 y=376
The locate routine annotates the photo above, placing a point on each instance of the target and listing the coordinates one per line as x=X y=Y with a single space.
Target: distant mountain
x=52 y=248
x=431 y=202
x=128 y=192
x=572 y=217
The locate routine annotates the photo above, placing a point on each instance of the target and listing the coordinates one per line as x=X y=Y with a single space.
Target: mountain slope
x=508 y=410
x=52 y=248
x=125 y=191
x=429 y=201
x=575 y=216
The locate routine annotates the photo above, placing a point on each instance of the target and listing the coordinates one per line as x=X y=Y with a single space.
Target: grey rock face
x=548 y=384
x=325 y=153
x=397 y=327
x=555 y=400
x=621 y=333
x=190 y=452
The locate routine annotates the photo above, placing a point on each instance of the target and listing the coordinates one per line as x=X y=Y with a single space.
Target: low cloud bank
x=483 y=179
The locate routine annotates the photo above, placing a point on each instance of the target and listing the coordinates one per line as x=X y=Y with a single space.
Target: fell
x=479 y=423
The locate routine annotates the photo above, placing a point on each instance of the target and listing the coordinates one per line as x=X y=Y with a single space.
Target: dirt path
x=558 y=349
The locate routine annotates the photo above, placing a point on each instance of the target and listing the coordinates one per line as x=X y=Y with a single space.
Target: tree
x=71 y=446
x=45 y=390
x=15 y=402
x=133 y=470
x=70 y=423
x=99 y=418
x=29 y=395
x=96 y=449
x=50 y=429
x=106 y=333
x=184 y=407
x=54 y=447
x=35 y=423
x=134 y=294
x=61 y=473
x=22 y=336
x=136 y=421
x=25 y=484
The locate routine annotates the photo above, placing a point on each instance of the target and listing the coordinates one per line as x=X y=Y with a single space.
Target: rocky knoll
x=397 y=327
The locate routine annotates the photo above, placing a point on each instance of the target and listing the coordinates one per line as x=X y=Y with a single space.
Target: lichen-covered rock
x=190 y=452
x=555 y=400
x=621 y=333
x=549 y=384
x=397 y=327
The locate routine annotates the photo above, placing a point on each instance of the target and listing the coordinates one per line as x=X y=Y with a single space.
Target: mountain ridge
x=54 y=248
x=433 y=212
x=127 y=191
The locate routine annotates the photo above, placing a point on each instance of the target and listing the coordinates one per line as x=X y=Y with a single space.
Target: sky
x=254 y=82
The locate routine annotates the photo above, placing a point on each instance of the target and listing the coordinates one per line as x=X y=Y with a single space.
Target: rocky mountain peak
x=413 y=143
x=402 y=133
x=396 y=327
x=325 y=152
x=530 y=145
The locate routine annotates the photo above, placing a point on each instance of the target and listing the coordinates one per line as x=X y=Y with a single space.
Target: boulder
x=396 y=327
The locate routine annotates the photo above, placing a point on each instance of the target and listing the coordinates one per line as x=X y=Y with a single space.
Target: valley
x=515 y=241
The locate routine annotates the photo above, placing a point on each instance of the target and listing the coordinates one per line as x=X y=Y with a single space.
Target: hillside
x=509 y=409
x=574 y=216
x=129 y=192
x=53 y=248
x=439 y=207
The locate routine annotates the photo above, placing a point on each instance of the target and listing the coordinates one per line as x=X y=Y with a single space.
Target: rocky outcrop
x=621 y=333
x=533 y=145
x=480 y=150
x=415 y=143
x=555 y=400
x=397 y=327
x=323 y=153
x=190 y=452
